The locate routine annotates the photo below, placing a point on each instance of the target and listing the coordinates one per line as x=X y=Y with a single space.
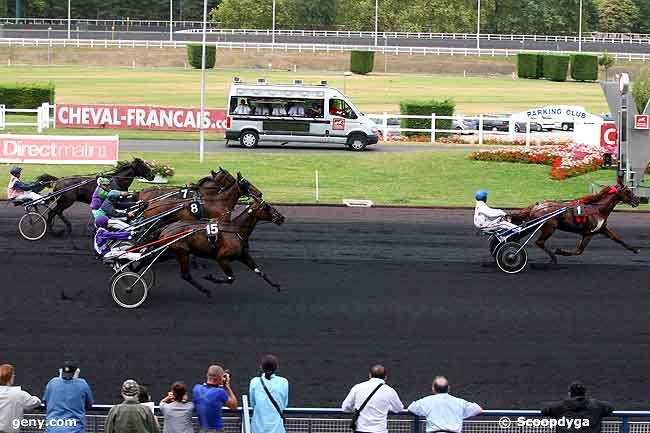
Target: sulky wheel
x=129 y=290
x=511 y=257
x=149 y=276
x=32 y=226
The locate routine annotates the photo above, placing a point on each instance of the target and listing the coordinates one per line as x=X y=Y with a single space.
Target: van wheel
x=249 y=139
x=357 y=142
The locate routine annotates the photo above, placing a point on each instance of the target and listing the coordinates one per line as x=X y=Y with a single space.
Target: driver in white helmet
x=486 y=217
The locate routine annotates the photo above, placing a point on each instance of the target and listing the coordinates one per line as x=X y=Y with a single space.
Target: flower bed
x=566 y=160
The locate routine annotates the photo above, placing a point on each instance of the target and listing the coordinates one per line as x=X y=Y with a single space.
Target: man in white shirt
x=487 y=218
x=374 y=416
x=444 y=412
x=243 y=108
x=13 y=401
x=297 y=110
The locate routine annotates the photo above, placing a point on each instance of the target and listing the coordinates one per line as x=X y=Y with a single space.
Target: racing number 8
x=194 y=208
x=212 y=229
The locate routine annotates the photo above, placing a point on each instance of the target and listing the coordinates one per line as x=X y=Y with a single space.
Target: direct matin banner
x=59 y=149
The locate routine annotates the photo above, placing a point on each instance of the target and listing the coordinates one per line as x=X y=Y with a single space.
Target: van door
x=344 y=120
x=320 y=123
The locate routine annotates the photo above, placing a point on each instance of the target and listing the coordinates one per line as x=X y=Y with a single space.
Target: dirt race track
x=413 y=289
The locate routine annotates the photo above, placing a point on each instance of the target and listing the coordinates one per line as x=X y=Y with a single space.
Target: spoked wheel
x=511 y=257
x=149 y=276
x=32 y=226
x=129 y=290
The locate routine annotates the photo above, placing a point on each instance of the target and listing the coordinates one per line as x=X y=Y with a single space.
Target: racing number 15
x=212 y=229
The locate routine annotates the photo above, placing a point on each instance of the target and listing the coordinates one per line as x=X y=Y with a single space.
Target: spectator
x=262 y=110
x=177 y=410
x=314 y=111
x=242 y=108
x=269 y=396
x=297 y=110
x=279 y=110
x=67 y=397
x=371 y=401
x=579 y=407
x=13 y=401
x=130 y=416
x=210 y=397
x=443 y=411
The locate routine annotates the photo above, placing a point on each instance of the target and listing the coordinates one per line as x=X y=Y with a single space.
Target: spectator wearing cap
x=130 y=416
x=67 y=398
x=443 y=411
x=269 y=395
x=13 y=401
x=371 y=401
x=579 y=407
x=210 y=397
x=177 y=410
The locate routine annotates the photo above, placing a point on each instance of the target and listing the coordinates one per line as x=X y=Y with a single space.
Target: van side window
x=239 y=106
x=339 y=107
x=314 y=108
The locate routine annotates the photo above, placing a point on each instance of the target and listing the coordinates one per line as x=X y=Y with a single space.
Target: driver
x=116 y=217
x=18 y=190
x=110 y=251
x=486 y=217
x=100 y=194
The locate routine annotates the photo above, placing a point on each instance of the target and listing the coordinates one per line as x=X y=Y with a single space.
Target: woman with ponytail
x=269 y=397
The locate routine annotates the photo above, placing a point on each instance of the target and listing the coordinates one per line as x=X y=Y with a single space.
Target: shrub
x=606 y=61
x=555 y=66
x=584 y=67
x=641 y=90
x=529 y=65
x=425 y=108
x=194 y=55
x=28 y=96
x=362 y=62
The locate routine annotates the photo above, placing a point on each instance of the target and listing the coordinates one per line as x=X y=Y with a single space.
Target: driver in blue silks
x=18 y=190
x=486 y=217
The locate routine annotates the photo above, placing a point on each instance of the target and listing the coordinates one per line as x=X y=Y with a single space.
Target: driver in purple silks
x=111 y=251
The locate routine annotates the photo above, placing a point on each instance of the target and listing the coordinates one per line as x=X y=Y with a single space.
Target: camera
x=226 y=375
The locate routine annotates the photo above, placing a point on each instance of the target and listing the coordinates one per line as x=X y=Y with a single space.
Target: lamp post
x=478 y=26
x=201 y=131
x=376 y=20
x=49 y=46
x=171 y=18
x=580 y=30
x=273 y=26
x=69 y=19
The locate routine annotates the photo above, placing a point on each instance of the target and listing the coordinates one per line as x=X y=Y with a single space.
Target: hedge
x=584 y=67
x=28 y=96
x=194 y=55
x=555 y=66
x=425 y=108
x=529 y=65
x=362 y=62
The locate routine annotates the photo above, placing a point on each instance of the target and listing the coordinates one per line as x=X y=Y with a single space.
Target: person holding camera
x=269 y=396
x=370 y=403
x=177 y=410
x=210 y=397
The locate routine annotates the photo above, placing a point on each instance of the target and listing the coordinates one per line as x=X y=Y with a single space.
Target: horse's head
x=266 y=212
x=627 y=196
x=248 y=188
x=142 y=169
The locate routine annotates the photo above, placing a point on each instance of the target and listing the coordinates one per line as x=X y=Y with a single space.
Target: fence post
x=317 y=187
x=39 y=119
x=480 y=130
x=245 y=415
x=528 y=132
x=433 y=127
x=415 y=428
x=384 y=126
x=625 y=425
x=2 y=117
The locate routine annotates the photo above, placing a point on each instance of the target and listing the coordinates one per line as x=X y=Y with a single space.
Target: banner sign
x=642 y=121
x=608 y=134
x=137 y=117
x=558 y=112
x=58 y=149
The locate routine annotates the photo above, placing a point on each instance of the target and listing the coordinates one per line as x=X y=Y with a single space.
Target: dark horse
x=230 y=244
x=595 y=209
x=219 y=181
x=121 y=178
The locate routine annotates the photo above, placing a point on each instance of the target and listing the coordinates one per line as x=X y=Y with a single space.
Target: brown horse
x=230 y=244
x=595 y=209
x=219 y=181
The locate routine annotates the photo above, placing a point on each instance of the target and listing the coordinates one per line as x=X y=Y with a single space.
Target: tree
x=606 y=61
x=617 y=16
x=309 y=14
x=244 y=14
x=643 y=25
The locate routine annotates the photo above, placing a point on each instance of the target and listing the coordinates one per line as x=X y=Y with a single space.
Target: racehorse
x=220 y=181
x=121 y=178
x=231 y=243
x=594 y=209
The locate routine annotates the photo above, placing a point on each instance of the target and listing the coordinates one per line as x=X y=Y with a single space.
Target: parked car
x=465 y=126
x=534 y=126
x=549 y=124
x=393 y=124
x=494 y=124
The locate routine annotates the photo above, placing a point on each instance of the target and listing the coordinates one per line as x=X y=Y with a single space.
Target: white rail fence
x=286 y=47
x=43 y=117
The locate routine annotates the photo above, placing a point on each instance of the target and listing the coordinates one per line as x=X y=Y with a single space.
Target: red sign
x=642 y=121
x=58 y=149
x=608 y=134
x=338 y=124
x=137 y=117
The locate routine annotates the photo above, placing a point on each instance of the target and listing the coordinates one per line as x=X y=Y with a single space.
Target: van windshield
x=339 y=107
x=276 y=107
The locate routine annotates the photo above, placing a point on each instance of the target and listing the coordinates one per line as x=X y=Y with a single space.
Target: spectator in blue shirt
x=267 y=416
x=444 y=412
x=210 y=397
x=67 y=398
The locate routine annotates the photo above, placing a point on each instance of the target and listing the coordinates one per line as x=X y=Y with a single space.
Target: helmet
x=481 y=195
x=15 y=170
x=130 y=388
x=103 y=181
x=114 y=195
x=101 y=221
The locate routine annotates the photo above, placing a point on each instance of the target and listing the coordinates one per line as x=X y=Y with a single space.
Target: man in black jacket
x=588 y=413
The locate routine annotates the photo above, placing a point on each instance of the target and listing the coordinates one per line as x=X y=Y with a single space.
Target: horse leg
x=579 y=249
x=613 y=236
x=547 y=231
x=227 y=269
x=248 y=261
x=184 y=260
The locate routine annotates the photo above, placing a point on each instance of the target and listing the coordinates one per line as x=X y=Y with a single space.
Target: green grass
x=445 y=178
